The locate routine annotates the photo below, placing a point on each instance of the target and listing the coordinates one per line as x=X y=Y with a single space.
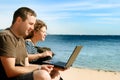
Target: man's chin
x=26 y=35
x=43 y=40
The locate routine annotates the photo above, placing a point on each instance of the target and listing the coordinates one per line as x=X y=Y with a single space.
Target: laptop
x=64 y=65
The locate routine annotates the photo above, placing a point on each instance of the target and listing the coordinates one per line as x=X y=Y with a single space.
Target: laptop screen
x=73 y=56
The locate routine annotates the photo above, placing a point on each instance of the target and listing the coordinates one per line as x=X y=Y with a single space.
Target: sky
x=76 y=17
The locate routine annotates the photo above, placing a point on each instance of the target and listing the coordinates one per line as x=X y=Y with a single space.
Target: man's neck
x=14 y=31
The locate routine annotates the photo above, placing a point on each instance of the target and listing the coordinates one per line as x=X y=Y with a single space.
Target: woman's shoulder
x=28 y=42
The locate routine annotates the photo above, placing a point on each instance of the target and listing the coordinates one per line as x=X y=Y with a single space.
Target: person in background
x=38 y=34
x=14 y=63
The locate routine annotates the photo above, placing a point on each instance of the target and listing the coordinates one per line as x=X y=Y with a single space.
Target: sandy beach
x=87 y=74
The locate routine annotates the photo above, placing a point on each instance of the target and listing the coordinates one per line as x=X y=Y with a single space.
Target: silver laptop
x=64 y=65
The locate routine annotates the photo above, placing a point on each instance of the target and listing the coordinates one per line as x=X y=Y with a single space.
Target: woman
x=39 y=34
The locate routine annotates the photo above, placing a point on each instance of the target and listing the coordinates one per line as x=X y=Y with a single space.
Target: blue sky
x=91 y=17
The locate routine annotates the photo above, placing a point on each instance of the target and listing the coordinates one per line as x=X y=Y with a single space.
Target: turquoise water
x=98 y=52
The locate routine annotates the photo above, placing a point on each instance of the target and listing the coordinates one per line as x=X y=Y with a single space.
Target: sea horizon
x=86 y=34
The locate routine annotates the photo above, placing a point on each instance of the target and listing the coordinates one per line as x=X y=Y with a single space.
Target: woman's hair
x=38 y=25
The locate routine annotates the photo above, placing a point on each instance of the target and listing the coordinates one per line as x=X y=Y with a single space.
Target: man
x=14 y=64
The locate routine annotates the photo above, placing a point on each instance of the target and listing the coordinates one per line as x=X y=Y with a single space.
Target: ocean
x=100 y=52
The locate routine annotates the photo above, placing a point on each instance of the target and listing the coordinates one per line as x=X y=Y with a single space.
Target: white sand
x=87 y=74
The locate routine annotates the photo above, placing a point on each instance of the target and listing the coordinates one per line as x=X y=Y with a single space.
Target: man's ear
x=19 y=19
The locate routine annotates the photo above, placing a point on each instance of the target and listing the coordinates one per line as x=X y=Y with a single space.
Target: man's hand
x=48 y=68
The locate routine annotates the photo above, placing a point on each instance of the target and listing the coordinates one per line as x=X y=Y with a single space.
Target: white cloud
x=79 y=6
x=93 y=11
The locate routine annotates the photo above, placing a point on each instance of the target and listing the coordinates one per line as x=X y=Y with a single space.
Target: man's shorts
x=27 y=76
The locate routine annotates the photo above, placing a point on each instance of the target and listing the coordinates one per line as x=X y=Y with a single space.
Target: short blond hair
x=39 y=24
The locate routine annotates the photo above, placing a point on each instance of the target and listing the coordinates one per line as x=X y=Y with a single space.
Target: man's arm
x=12 y=70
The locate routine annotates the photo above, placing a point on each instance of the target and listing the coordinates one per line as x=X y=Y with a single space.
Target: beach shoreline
x=89 y=74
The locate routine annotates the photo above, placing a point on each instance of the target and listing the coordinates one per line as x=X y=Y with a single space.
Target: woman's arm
x=39 y=55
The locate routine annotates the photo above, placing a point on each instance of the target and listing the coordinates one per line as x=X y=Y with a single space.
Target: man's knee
x=41 y=75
